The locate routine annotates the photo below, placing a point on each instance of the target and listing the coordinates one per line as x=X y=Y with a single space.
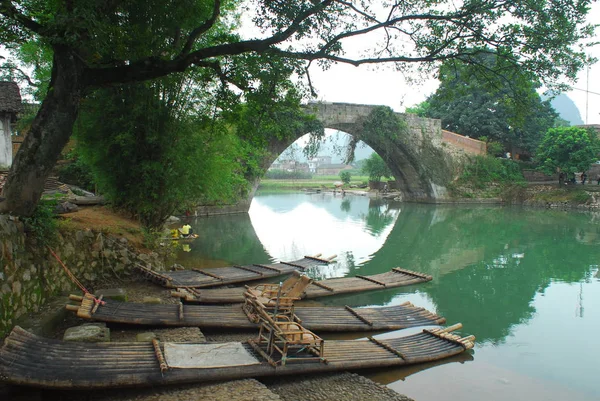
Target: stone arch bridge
x=423 y=158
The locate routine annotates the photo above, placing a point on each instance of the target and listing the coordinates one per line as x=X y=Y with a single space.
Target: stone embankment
x=30 y=274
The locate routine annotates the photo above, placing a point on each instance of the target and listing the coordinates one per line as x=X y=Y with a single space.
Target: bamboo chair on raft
x=281 y=338
x=268 y=296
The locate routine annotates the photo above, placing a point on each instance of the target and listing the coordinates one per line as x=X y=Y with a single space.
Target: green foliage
x=376 y=168
x=568 y=149
x=493 y=148
x=104 y=43
x=380 y=126
x=77 y=172
x=150 y=155
x=498 y=103
x=346 y=177
x=484 y=170
x=287 y=175
x=421 y=109
x=42 y=224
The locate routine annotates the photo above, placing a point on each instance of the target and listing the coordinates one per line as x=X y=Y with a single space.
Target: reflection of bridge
x=421 y=156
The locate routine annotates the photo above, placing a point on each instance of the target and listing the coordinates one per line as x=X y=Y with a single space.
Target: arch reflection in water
x=524 y=282
x=352 y=227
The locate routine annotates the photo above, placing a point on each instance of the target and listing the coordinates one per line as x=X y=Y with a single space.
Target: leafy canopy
x=374 y=166
x=101 y=43
x=150 y=155
x=568 y=149
x=497 y=104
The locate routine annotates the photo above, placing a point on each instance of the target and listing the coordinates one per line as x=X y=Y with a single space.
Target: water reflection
x=524 y=282
x=294 y=225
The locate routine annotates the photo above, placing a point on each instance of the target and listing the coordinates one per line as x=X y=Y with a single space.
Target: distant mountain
x=566 y=109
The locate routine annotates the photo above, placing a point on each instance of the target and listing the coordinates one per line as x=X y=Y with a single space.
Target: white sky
x=383 y=86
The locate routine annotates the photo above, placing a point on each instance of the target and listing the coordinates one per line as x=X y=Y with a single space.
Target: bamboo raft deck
x=233 y=316
x=210 y=277
x=396 y=277
x=27 y=359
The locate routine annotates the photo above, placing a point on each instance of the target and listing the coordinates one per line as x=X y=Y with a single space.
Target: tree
x=154 y=155
x=568 y=150
x=376 y=168
x=97 y=44
x=345 y=176
x=502 y=108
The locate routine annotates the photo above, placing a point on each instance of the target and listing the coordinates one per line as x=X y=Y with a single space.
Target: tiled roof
x=10 y=97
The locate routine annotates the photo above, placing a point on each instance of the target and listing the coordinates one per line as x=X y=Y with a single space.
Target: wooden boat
x=26 y=359
x=396 y=277
x=200 y=278
x=236 y=317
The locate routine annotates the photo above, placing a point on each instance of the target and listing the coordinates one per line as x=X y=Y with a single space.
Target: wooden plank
x=371 y=280
x=294 y=265
x=411 y=273
x=268 y=267
x=387 y=347
x=321 y=285
x=248 y=269
x=355 y=313
x=208 y=274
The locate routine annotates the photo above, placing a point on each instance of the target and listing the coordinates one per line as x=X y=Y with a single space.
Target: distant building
x=289 y=166
x=315 y=162
x=10 y=106
x=332 y=169
x=321 y=165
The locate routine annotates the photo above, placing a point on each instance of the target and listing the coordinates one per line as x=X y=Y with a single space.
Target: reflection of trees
x=229 y=238
x=519 y=252
x=346 y=205
x=377 y=220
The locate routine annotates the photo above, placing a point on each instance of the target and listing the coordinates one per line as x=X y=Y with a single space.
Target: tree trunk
x=49 y=133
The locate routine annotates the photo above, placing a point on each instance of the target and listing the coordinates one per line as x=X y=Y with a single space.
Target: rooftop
x=10 y=97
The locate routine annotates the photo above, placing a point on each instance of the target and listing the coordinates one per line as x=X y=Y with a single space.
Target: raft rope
x=74 y=279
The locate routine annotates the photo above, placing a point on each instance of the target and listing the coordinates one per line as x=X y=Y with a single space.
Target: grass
x=575 y=195
x=317 y=182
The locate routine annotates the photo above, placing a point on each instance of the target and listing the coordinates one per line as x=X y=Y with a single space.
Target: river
x=525 y=282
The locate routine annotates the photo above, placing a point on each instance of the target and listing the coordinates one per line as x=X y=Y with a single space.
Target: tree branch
x=201 y=29
x=10 y=11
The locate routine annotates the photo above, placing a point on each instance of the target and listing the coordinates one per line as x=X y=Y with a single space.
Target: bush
x=485 y=169
x=42 y=224
x=345 y=176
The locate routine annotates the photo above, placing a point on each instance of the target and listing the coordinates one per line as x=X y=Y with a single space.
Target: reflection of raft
x=198 y=278
x=395 y=278
x=233 y=316
x=26 y=359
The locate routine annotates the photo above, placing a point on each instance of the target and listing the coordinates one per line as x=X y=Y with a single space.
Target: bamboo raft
x=200 y=278
x=234 y=317
x=397 y=277
x=27 y=359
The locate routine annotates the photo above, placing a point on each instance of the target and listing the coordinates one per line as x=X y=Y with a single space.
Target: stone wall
x=469 y=145
x=29 y=274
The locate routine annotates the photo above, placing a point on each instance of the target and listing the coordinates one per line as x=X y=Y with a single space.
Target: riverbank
x=345 y=385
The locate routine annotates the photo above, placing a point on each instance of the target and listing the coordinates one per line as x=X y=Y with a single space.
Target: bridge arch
x=422 y=158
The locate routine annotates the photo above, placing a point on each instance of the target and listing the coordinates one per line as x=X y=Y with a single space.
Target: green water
x=525 y=282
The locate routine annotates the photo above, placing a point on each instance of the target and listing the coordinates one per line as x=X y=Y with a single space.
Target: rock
x=87 y=333
x=172 y=219
x=117 y=294
x=145 y=337
x=65 y=207
x=177 y=267
x=151 y=300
